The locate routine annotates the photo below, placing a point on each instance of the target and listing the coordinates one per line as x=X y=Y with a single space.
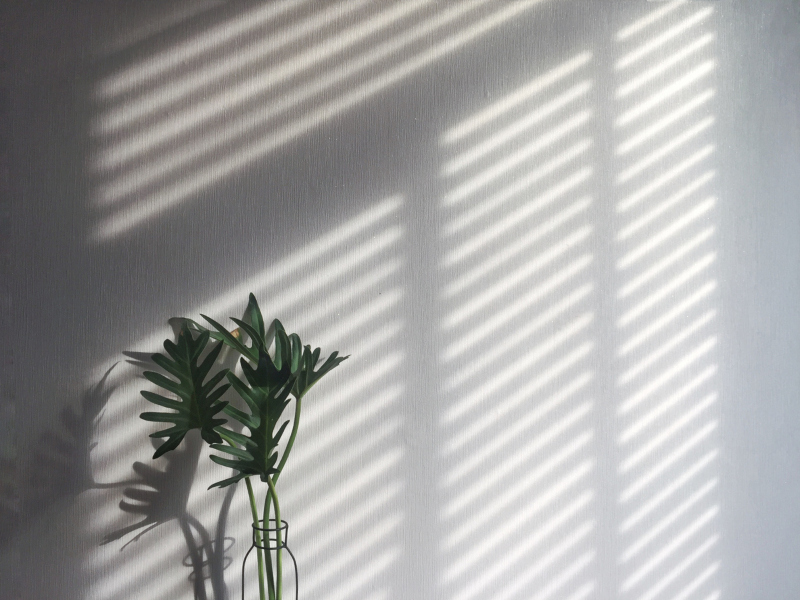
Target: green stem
x=278 y=540
x=267 y=551
x=257 y=533
x=267 y=504
x=259 y=552
x=267 y=507
x=295 y=426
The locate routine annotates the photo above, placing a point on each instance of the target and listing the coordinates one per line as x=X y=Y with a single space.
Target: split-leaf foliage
x=198 y=401
x=270 y=383
x=278 y=370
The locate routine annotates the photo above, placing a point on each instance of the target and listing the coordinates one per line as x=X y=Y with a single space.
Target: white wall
x=558 y=238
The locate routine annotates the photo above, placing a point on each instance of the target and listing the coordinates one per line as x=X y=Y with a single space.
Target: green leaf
x=169 y=432
x=266 y=388
x=238 y=452
x=169 y=445
x=256 y=319
x=295 y=351
x=216 y=394
x=168 y=365
x=171 y=386
x=237 y=437
x=194 y=326
x=198 y=401
x=226 y=482
x=232 y=341
x=266 y=396
x=205 y=366
x=160 y=400
x=242 y=417
x=309 y=377
x=256 y=337
x=165 y=417
x=244 y=391
x=226 y=462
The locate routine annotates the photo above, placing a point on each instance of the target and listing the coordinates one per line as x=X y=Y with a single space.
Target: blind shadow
x=342 y=489
x=516 y=511
x=58 y=468
x=175 y=119
x=666 y=304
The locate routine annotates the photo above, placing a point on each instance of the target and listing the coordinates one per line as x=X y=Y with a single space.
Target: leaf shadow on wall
x=159 y=496
x=59 y=468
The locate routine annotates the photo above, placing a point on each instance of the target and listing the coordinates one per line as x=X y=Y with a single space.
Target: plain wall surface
x=558 y=238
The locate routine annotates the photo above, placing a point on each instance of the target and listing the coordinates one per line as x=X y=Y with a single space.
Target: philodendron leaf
x=266 y=395
x=198 y=400
x=260 y=338
x=195 y=327
x=253 y=313
x=307 y=376
x=233 y=339
x=289 y=349
x=269 y=380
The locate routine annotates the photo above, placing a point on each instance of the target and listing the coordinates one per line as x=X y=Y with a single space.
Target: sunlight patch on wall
x=185 y=117
x=517 y=325
x=342 y=491
x=669 y=534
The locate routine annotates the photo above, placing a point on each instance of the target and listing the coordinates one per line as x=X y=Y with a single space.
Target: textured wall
x=559 y=239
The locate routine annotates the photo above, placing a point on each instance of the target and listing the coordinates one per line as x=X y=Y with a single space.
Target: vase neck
x=268 y=533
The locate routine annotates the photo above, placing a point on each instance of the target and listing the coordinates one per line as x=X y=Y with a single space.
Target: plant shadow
x=159 y=496
x=59 y=468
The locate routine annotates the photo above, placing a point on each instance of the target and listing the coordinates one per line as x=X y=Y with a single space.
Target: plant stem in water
x=257 y=533
x=295 y=426
x=267 y=506
x=279 y=540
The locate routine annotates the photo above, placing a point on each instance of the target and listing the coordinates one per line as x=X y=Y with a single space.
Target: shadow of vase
x=159 y=496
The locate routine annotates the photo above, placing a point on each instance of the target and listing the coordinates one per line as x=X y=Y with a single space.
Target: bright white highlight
x=649 y=104
x=653 y=72
x=666 y=290
x=667 y=408
x=673 y=343
x=524 y=243
x=660 y=40
x=653 y=16
x=667 y=375
x=523 y=95
x=496 y=202
x=668 y=491
x=175 y=164
x=659 y=154
x=519 y=127
x=651 y=215
x=636 y=488
x=667 y=318
x=652 y=130
x=667 y=434
x=486 y=177
x=666 y=233
x=518 y=325
x=636 y=548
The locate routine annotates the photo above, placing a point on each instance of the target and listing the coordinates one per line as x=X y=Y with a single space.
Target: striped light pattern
x=342 y=491
x=182 y=118
x=666 y=320
x=516 y=432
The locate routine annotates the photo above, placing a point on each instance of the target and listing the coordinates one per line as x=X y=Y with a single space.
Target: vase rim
x=284 y=525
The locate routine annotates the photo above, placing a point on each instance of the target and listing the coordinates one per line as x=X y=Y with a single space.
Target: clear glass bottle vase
x=268 y=543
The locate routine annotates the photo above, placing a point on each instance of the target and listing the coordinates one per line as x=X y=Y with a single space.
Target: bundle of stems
x=278 y=370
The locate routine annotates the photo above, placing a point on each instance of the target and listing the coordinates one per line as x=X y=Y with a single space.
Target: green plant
x=272 y=381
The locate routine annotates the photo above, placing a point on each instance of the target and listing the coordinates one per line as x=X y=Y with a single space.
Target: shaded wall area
x=558 y=239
